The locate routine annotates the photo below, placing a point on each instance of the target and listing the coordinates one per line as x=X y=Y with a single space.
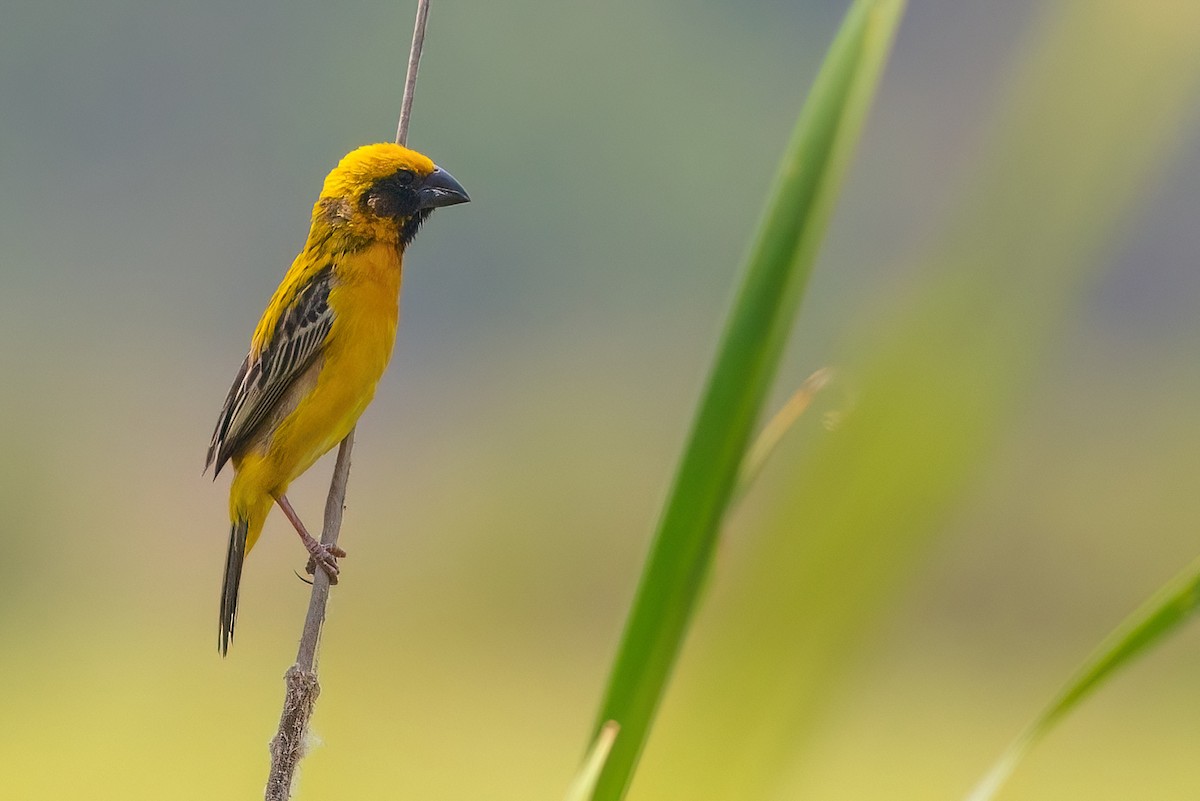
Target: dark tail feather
x=229 y=585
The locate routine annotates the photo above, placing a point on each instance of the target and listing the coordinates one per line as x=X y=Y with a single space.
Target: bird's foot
x=325 y=557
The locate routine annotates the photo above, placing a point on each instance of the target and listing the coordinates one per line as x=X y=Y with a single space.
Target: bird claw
x=325 y=556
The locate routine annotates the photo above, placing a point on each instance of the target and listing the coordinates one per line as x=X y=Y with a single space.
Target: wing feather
x=299 y=335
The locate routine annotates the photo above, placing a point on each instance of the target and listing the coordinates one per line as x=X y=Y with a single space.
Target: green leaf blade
x=777 y=270
x=1153 y=622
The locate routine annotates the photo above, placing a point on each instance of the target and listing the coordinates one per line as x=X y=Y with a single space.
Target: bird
x=321 y=346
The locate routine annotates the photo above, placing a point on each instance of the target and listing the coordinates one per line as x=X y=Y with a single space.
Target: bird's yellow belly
x=324 y=404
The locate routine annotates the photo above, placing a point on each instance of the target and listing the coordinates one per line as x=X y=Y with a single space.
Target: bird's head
x=383 y=193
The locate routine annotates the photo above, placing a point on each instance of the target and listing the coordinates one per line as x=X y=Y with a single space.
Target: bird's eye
x=405 y=177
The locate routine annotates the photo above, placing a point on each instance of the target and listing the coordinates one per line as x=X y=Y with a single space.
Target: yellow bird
x=322 y=344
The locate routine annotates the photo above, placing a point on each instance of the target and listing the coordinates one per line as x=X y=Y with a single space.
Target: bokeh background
x=158 y=164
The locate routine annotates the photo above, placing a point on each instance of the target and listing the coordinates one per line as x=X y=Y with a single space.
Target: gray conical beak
x=440 y=189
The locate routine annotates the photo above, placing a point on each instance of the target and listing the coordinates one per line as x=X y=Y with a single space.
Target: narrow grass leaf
x=1158 y=618
x=1100 y=103
x=778 y=266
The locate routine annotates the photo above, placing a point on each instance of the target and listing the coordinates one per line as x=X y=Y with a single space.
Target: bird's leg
x=325 y=556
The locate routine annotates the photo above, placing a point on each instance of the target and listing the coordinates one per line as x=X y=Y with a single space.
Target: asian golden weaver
x=322 y=344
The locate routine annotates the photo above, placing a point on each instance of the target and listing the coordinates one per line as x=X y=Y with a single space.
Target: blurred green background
x=159 y=164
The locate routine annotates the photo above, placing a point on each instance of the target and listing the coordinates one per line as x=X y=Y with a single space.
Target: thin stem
x=773 y=432
x=287 y=747
x=335 y=504
x=410 y=80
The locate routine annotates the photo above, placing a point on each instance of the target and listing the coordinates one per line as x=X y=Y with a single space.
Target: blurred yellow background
x=159 y=164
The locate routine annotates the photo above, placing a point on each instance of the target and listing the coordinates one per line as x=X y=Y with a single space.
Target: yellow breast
x=327 y=401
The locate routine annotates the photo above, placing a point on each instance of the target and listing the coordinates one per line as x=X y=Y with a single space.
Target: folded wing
x=298 y=338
